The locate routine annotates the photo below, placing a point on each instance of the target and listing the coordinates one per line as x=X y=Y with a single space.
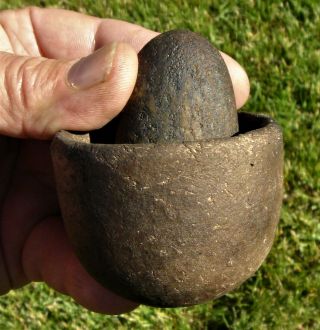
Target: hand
x=44 y=89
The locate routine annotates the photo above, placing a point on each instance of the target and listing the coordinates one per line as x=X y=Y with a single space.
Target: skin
x=36 y=101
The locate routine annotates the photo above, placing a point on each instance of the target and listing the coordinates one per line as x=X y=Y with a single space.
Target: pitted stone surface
x=183 y=93
x=172 y=224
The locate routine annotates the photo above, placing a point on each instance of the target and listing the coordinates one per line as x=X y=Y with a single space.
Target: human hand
x=40 y=95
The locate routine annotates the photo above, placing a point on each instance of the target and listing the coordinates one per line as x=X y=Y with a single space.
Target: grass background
x=278 y=42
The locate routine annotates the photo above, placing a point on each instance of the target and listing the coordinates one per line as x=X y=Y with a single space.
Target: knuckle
x=29 y=85
x=31 y=81
x=19 y=83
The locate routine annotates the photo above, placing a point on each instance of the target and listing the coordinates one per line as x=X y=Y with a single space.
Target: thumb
x=40 y=96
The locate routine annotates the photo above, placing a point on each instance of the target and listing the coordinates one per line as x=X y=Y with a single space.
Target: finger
x=48 y=257
x=42 y=96
x=67 y=34
x=240 y=80
x=30 y=197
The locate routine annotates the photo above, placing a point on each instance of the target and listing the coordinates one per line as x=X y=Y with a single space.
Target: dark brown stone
x=172 y=224
x=183 y=93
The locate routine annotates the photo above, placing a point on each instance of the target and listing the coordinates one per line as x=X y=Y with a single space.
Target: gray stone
x=183 y=93
x=172 y=224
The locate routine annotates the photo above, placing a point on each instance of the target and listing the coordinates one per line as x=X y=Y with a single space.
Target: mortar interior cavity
x=247 y=122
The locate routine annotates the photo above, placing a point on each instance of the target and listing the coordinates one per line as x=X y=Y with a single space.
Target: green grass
x=278 y=44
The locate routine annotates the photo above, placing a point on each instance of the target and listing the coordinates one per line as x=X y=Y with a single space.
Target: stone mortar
x=172 y=224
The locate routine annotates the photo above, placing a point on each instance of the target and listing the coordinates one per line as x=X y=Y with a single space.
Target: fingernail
x=93 y=69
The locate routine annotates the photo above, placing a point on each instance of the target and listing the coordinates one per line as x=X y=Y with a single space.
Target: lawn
x=278 y=43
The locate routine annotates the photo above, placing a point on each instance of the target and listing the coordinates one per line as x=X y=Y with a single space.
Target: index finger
x=67 y=34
